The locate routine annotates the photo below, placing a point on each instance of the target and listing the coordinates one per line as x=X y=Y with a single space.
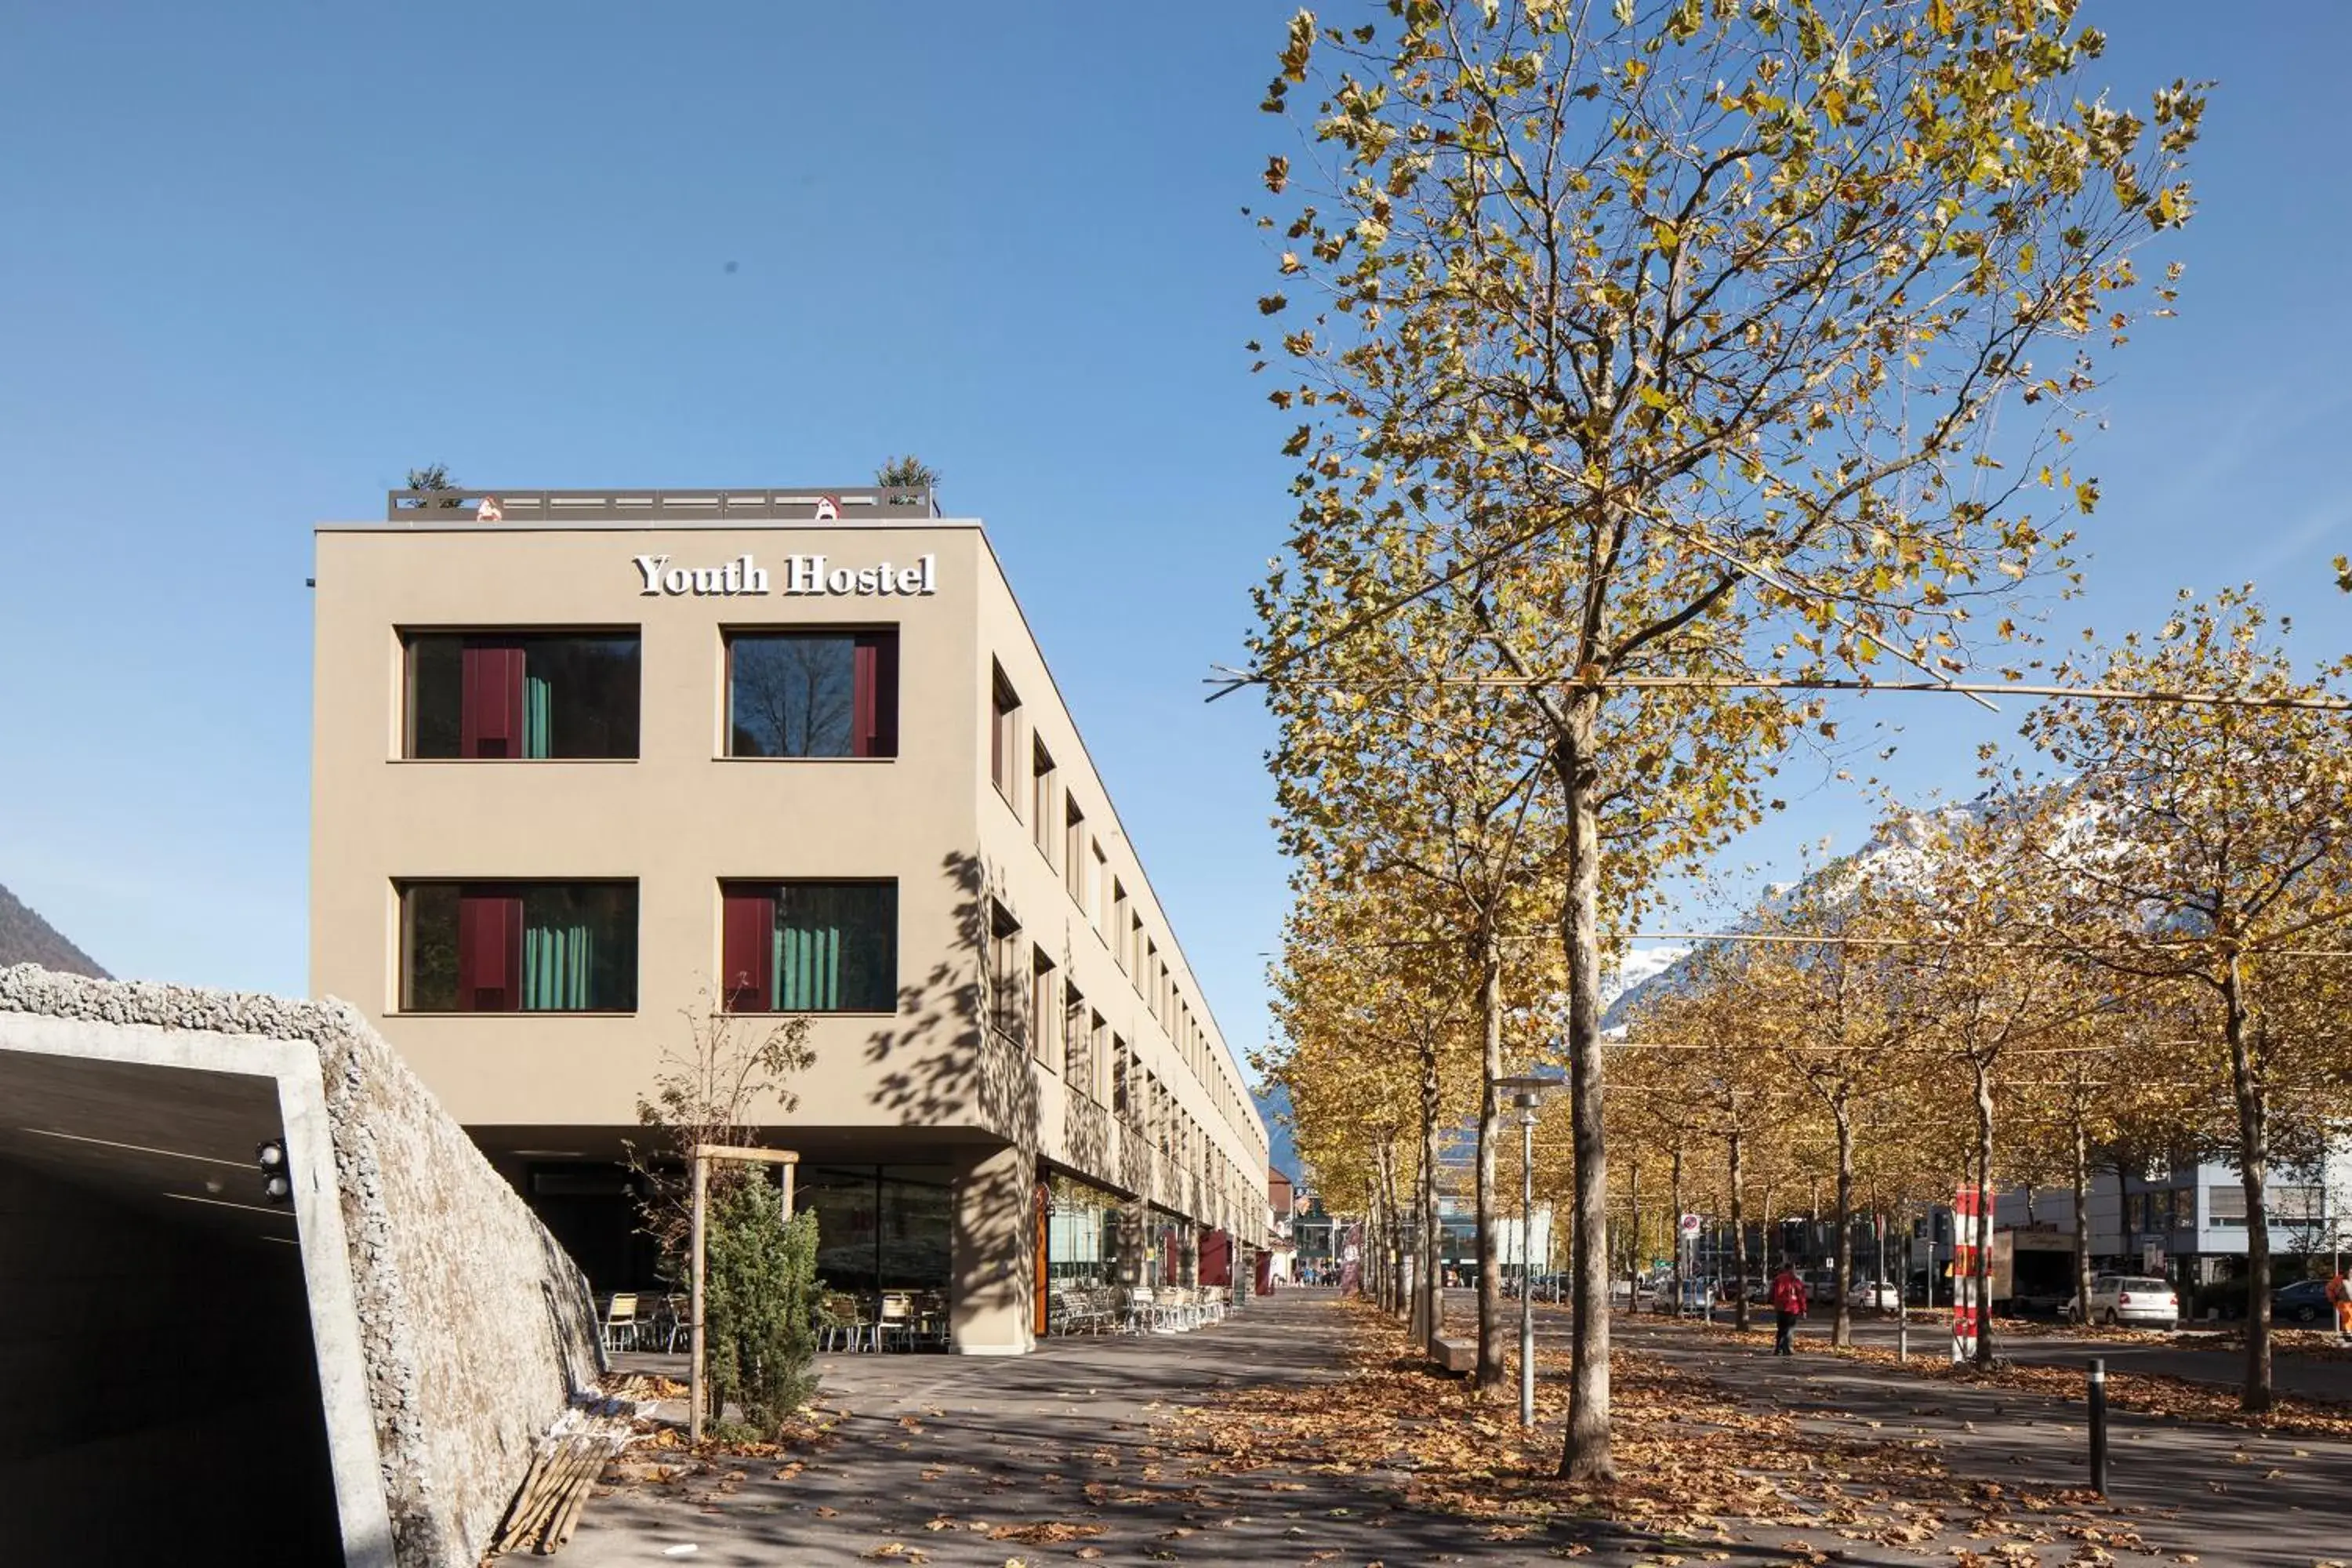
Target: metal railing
x=804 y=504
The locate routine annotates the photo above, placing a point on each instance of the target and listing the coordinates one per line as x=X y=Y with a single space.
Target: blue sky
x=261 y=258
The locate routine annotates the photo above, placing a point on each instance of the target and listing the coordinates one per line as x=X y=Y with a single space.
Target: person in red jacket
x=1787 y=1305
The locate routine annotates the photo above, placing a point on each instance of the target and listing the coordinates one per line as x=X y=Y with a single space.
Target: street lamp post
x=1525 y=1094
x=1527 y=1250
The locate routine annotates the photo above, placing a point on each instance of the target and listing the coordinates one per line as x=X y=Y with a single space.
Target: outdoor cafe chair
x=931 y=1318
x=672 y=1323
x=841 y=1324
x=894 y=1328
x=620 y=1322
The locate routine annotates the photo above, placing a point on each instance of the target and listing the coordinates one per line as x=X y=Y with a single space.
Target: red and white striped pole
x=1967 y=1234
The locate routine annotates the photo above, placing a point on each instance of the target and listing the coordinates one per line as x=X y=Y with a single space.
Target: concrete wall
x=433 y=1289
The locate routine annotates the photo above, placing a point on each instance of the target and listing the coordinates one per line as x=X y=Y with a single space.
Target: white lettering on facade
x=803 y=574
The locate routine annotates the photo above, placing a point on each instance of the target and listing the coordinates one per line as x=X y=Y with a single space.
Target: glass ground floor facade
x=1095 y=1237
x=879 y=1226
x=892 y=1226
x=1097 y=1249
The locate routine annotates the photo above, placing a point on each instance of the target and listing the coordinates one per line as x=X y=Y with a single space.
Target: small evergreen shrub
x=760 y=1303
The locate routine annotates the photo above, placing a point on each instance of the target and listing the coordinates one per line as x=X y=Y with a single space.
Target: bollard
x=2099 y=1425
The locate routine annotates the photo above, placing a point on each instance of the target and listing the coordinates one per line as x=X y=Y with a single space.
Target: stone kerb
x=475 y=1327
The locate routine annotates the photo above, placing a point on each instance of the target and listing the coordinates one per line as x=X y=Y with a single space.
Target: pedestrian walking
x=2339 y=1291
x=1789 y=1304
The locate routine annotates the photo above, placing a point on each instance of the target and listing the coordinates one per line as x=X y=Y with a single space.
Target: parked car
x=2305 y=1302
x=1881 y=1296
x=1696 y=1295
x=2128 y=1301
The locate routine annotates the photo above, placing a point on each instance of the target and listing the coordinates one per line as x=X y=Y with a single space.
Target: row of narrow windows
x=1058 y=827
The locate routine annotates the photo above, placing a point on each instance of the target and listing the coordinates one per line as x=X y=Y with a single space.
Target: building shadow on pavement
x=1059 y=1456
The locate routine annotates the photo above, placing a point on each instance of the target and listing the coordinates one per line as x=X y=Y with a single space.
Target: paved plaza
x=1054 y=1457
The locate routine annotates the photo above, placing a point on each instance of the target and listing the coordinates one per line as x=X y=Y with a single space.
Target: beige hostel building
x=590 y=767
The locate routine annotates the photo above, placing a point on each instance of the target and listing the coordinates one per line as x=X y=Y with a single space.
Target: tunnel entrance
x=159 y=1390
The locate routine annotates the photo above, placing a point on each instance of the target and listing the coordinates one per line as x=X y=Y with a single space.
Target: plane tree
x=2212 y=852
x=1673 y=330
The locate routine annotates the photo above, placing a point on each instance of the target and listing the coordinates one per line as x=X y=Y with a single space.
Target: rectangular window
x=1098 y=878
x=1045 y=1009
x=1008 y=987
x=1149 y=954
x=1004 y=738
x=1042 y=817
x=2225 y=1205
x=1122 y=1077
x=519 y=947
x=810 y=947
x=1098 y=1063
x=880 y=1228
x=2298 y=1206
x=813 y=694
x=1074 y=1040
x=1120 y=942
x=507 y=695
x=1074 y=851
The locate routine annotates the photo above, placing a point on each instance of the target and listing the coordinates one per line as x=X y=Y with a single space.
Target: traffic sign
x=1690 y=1225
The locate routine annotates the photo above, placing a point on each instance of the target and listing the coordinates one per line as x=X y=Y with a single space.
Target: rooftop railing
x=805 y=504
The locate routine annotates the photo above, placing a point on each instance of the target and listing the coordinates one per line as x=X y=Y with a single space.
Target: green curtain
x=534 y=716
x=557 y=960
x=808 y=964
x=831 y=950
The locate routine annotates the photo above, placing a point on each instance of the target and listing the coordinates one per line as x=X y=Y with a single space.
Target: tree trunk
x=2254 y=1175
x=1393 y=1246
x=1678 y=1223
x=1428 y=1299
x=1490 y=1261
x=1739 y=1231
x=1842 y=1326
x=1633 y=1228
x=2081 y=1172
x=1432 y=1294
x=1983 y=1291
x=1585 y=1455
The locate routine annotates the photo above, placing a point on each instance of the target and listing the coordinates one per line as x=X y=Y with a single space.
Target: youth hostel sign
x=803 y=575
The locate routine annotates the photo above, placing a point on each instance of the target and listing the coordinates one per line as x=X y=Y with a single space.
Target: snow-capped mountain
x=1640 y=967
x=1901 y=854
